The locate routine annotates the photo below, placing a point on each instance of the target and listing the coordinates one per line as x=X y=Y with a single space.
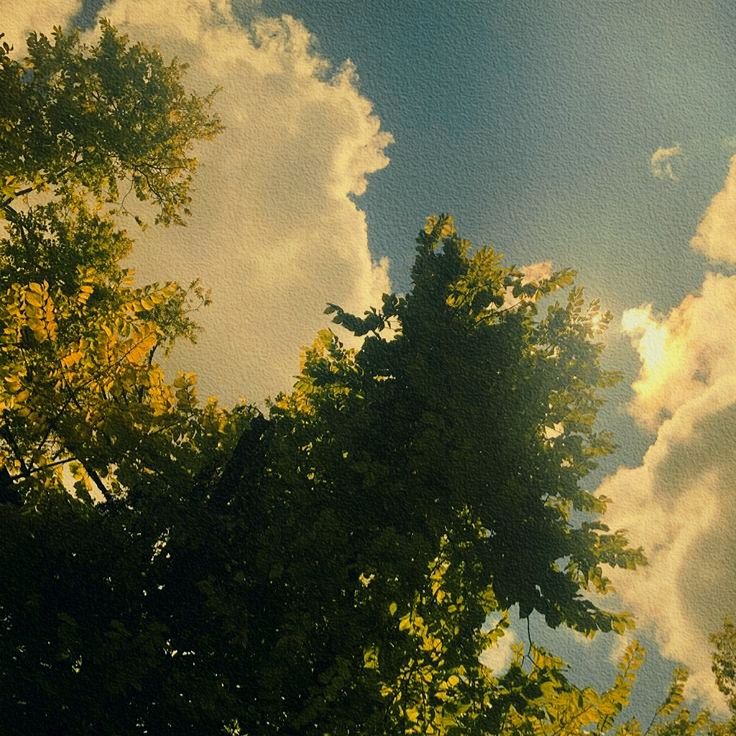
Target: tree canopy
x=337 y=566
x=81 y=395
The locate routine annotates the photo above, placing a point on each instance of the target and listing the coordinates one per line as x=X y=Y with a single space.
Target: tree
x=420 y=483
x=98 y=452
x=80 y=392
x=724 y=662
x=330 y=568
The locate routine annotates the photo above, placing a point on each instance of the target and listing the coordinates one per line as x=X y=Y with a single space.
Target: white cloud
x=716 y=232
x=18 y=19
x=532 y=273
x=535 y=272
x=684 y=353
x=499 y=657
x=680 y=503
x=275 y=232
x=662 y=163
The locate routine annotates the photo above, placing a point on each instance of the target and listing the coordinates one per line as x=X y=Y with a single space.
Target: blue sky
x=534 y=124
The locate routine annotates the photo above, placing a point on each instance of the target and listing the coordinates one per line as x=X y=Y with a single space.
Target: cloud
x=679 y=504
x=532 y=273
x=684 y=353
x=18 y=19
x=716 y=233
x=662 y=163
x=275 y=232
x=535 y=272
x=499 y=657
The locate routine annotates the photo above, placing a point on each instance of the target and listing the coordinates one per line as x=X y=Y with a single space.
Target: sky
x=595 y=135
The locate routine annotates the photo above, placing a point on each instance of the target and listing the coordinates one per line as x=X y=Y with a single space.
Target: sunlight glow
x=649 y=337
x=597 y=323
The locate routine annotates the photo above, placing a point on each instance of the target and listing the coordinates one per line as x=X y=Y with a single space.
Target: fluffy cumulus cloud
x=18 y=19
x=679 y=504
x=275 y=232
x=683 y=354
x=663 y=161
x=716 y=233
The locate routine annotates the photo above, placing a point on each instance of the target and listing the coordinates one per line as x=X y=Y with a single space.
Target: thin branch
x=5 y=203
x=8 y=437
x=39 y=468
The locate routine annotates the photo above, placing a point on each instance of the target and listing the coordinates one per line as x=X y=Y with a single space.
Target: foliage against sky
x=96 y=445
x=554 y=151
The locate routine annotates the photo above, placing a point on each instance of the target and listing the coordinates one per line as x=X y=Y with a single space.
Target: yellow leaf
x=34 y=298
x=370 y=659
x=71 y=359
x=38 y=328
x=13 y=383
x=412 y=713
x=85 y=291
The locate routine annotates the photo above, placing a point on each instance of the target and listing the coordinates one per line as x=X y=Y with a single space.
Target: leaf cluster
x=107 y=118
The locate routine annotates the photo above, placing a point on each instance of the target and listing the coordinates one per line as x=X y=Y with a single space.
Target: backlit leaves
x=98 y=116
x=79 y=384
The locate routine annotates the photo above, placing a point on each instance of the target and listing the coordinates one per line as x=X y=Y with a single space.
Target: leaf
x=72 y=359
